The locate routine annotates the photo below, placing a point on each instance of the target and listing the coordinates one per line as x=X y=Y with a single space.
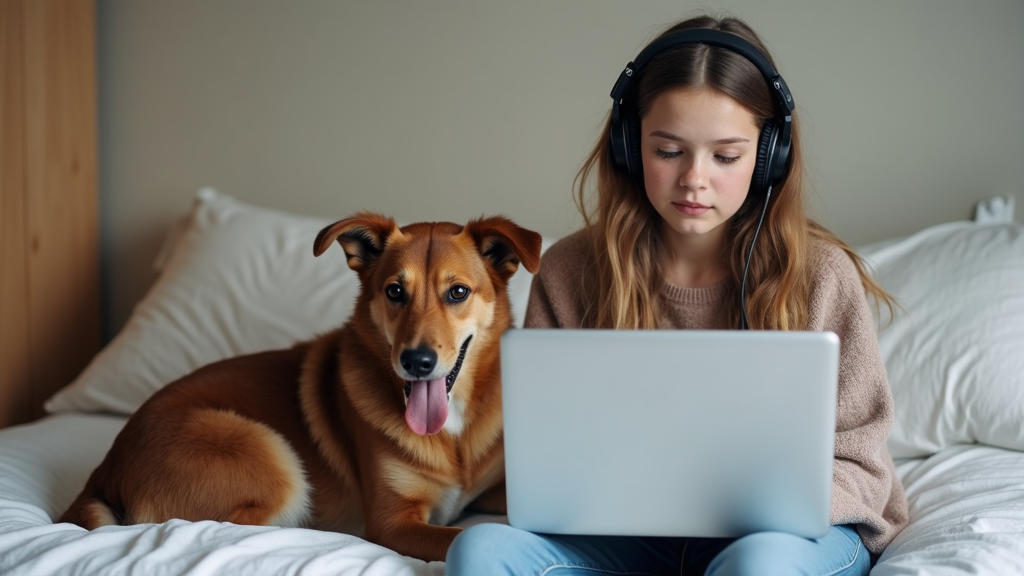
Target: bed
x=237 y=278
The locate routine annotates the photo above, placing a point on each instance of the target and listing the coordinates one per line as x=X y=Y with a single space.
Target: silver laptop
x=669 y=432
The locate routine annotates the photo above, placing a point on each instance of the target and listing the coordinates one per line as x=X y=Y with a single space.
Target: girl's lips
x=690 y=208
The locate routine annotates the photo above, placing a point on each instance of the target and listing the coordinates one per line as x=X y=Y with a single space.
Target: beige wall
x=449 y=109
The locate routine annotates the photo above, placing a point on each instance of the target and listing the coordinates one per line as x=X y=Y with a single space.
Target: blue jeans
x=498 y=549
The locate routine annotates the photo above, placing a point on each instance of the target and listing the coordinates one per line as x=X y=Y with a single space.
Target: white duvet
x=967 y=507
x=967 y=515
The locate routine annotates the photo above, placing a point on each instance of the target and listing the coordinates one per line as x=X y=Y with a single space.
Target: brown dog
x=387 y=427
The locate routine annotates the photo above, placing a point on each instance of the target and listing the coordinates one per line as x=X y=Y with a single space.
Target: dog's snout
x=419 y=362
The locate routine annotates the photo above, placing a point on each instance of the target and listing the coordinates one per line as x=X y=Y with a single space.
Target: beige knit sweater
x=865 y=490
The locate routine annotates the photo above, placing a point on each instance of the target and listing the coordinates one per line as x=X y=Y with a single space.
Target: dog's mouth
x=426 y=406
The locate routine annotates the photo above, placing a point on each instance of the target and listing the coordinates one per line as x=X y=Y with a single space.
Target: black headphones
x=776 y=136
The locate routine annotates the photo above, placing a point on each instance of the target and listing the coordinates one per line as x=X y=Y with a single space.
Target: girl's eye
x=395 y=292
x=726 y=159
x=666 y=153
x=458 y=293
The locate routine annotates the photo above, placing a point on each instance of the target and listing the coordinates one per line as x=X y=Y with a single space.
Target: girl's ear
x=505 y=245
x=362 y=236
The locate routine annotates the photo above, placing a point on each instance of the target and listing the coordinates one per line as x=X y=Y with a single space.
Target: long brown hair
x=625 y=231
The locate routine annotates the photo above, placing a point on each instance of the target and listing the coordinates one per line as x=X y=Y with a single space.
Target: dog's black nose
x=419 y=362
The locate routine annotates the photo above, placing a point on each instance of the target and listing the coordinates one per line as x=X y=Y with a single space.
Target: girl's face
x=699 y=148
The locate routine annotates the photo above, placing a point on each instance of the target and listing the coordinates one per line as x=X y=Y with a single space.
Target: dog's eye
x=458 y=293
x=395 y=292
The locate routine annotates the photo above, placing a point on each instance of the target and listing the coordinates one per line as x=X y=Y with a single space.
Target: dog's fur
x=348 y=431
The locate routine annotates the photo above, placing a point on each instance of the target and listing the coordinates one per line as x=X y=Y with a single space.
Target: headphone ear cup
x=767 y=149
x=631 y=129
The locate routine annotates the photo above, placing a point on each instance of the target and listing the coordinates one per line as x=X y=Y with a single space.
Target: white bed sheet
x=967 y=506
x=967 y=512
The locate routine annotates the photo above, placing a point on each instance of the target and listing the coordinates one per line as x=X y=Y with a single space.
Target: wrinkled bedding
x=966 y=502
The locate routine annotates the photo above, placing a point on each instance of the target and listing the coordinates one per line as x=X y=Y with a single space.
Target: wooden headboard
x=49 y=245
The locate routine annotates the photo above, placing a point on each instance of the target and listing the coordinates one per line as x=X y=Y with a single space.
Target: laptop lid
x=669 y=432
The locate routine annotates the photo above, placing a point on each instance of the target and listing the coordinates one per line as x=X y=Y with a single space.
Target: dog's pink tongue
x=428 y=406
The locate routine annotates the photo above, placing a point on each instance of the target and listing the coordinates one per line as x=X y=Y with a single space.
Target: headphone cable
x=746 y=267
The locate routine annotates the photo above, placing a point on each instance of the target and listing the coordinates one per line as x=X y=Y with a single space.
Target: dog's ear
x=362 y=236
x=505 y=244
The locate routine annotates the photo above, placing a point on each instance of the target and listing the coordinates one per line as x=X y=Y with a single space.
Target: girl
x=699 y=224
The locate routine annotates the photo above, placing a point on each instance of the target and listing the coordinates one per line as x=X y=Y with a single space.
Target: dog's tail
x=90 y=513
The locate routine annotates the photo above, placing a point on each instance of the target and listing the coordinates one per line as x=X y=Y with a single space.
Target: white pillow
x=955 y=352
x=235 y=279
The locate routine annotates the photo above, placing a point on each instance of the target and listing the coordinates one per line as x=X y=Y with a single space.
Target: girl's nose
x=694 y=175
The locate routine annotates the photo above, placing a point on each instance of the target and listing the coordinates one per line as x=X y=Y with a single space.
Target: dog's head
x=435 y=291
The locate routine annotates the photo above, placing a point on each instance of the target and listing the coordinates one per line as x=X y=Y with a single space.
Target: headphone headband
x=711 y=37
